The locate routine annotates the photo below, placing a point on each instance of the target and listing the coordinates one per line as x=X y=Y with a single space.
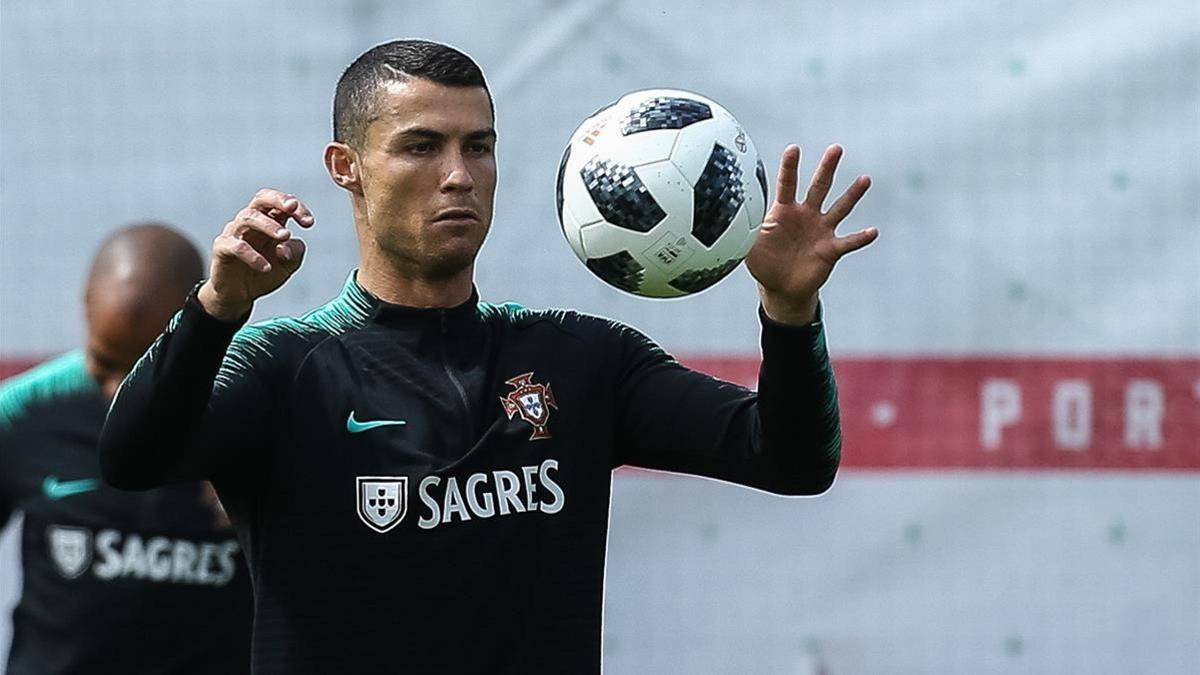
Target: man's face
x=119 y=332
x=428 y=176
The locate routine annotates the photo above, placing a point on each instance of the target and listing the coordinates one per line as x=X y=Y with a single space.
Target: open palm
x=797 y=246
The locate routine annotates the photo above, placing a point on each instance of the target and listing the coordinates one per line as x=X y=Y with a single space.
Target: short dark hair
x=354 y=104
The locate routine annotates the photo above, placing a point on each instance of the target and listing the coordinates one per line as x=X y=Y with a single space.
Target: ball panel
x=576 y=200
x=719 y=193
x=760 y=172
x=602 y=239
x=571 y=230
x=620 y=195
x=642 y=149
x=618 y=269
x=692 y=149
x=736 y=241
x=696 y=280
x=669 y=253
x=671 y=191
x=558 y=187
x=664 y=112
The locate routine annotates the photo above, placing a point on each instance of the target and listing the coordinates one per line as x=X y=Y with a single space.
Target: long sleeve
x=785 y=439
x=182 y=415
x=7 y=493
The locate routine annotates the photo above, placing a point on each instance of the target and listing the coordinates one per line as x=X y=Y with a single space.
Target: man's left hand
x=797 y=246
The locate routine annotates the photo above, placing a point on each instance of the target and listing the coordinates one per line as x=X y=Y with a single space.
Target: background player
x=115 y=582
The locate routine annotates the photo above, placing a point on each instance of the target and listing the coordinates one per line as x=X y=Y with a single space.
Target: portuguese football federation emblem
x=71 y=549
x=532 y=402
x=382 y=501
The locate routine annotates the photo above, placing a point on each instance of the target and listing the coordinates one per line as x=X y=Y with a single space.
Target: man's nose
x=458 y=174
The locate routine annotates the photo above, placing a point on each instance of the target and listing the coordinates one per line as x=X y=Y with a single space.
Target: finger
x=298 y=211
x=250 y=220
x=233 y=248
x=291 y=253
x=853 y=242
x=284 y=205
x=822 y=179
x=845 y=204
x=789 y=167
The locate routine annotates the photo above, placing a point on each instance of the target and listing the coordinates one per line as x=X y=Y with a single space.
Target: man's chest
x=76 y=529
x=395 y=441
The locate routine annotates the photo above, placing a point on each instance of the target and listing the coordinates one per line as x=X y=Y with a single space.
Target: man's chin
x=451 y=262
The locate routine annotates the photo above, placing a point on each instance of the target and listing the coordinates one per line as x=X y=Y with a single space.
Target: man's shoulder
x=290 y=339
x=568 y=320
x=58 y=378
x=594 y=330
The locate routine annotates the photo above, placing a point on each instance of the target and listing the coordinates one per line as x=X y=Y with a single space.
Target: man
x=422 y=480
x=115 y=582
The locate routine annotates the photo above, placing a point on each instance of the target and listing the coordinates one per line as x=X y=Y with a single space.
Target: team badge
x=71 y=549
x=382 y=501
x=532 y=402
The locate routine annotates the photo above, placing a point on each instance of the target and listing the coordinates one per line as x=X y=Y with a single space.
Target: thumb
x=291 y=254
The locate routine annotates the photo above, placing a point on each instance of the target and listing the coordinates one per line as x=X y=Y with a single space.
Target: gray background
x=1036 y=184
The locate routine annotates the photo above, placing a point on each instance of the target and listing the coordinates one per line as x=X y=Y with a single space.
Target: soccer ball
x=661 y=193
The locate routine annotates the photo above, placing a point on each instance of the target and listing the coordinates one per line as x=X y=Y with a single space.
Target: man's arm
x=785 y=439
x=168 y=424
x=181 y=414
x=7 y=498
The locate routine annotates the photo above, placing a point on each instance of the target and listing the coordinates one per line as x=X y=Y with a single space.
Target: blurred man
x=115 y=582
x=422 y=479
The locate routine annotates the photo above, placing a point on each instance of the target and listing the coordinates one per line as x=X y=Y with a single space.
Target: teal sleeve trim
x=60 y=376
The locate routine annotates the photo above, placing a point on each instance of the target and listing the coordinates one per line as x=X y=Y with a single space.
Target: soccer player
x=115 y=582
x=422 y=479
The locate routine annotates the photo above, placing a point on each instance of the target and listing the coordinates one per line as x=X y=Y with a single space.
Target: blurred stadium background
x=1019 y=354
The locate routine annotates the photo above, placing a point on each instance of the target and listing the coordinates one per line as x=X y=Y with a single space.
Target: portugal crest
x=382 y=501
x=532 y=402
x=71 y=549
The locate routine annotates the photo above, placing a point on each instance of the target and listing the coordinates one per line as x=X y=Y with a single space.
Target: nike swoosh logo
x=356 y=427
x=56 y=490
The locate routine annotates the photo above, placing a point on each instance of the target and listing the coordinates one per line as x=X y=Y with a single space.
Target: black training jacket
x=111 y=582
x=427 y=490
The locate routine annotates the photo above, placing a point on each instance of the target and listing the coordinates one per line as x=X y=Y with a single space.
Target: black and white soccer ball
x=662 y=193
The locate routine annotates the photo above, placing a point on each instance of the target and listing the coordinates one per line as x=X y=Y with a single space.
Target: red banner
x=1011 y=413
x=1001 y=413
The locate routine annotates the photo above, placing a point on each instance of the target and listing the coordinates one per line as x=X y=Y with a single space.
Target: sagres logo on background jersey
x=71 y=549
x=382 y=501
x=532 y=402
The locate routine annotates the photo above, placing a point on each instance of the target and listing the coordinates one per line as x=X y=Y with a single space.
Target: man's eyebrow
x=421 y=132
x=434 y=134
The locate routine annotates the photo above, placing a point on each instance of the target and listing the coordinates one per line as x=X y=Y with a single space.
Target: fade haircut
x=355 y=105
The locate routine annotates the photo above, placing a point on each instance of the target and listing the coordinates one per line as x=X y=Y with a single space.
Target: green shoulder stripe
x=60 y=376
x=509 y=309
x=256 y=342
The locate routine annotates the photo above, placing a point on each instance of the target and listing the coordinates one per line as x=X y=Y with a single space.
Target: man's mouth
x=457 y=215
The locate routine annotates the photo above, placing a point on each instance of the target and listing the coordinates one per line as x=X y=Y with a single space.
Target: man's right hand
x=254 y=254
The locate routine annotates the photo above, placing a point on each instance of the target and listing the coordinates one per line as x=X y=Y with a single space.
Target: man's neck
x=389 y=285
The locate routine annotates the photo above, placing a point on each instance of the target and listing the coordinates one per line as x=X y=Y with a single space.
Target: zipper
x=462 y=393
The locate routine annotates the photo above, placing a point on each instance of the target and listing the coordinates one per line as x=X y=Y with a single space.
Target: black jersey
x=114 y=582
x=427 y=490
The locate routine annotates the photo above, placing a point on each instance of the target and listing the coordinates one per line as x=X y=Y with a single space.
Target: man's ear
x=342 y=164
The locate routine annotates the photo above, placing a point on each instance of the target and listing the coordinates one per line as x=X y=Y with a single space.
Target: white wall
x=1035 y=169
x=1036 y=184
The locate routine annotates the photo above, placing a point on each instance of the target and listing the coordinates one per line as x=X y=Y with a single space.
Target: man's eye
x=421 y=148
x=479 y=148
